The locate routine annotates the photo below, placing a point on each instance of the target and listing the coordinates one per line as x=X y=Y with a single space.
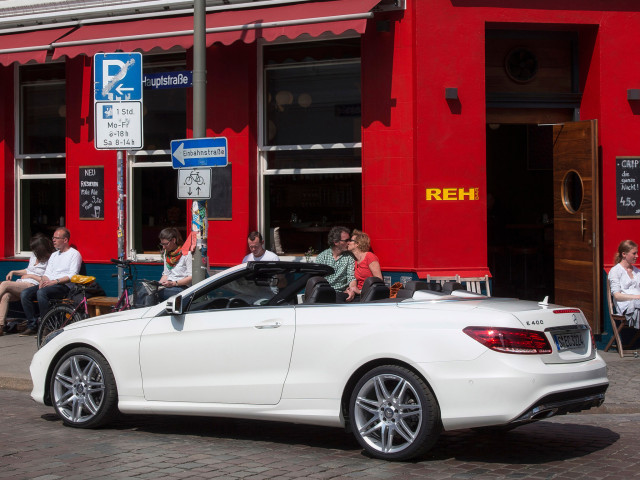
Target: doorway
x=520 y=210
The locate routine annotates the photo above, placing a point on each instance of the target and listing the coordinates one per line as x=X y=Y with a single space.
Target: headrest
x=374 y=288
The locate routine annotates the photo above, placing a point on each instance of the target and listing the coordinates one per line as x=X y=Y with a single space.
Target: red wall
x=6 y=161
x=388 y=168
x=95 y=239
x=231 y=113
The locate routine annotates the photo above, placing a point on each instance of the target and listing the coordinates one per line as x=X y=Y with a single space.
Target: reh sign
x=199 y=152
x=117 y=76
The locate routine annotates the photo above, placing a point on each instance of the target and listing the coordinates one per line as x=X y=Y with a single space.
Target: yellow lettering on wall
x=452 y=194
x=433 y=194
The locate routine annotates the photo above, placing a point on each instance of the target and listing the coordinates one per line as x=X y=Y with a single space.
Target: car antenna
x=545 y=302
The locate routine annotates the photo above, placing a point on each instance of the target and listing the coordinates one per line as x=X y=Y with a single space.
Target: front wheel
x=393 y=413
x=56 y=318
x=83 y=389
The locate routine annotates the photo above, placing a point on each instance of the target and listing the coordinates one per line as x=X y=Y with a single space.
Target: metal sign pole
x=199 y=209
x=121 y=252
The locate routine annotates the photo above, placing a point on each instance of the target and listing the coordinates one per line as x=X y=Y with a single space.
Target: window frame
x=19 y=157
x=132 y=163
x=264 y=149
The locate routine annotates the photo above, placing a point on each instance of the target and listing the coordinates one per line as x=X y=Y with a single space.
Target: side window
x=241 y=292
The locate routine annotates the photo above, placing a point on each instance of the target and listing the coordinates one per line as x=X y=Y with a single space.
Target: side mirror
x=174 y=305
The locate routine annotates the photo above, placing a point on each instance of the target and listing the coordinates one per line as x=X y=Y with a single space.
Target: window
x=310 y=148
x=40 y=158
x=152 y=182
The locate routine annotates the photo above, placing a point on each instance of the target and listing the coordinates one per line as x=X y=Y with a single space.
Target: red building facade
x=443 y=145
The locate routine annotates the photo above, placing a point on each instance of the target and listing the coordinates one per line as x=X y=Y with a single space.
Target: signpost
x=188 y=154
x=194 y=183
x=117 y=106
x=117 y=96
x=199 y=152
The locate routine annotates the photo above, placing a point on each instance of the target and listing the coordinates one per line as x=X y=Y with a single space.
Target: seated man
x=341 y=260
x=63 y=264
x=257 y=250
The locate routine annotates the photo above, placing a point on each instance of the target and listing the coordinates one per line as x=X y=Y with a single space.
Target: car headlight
x=51 y=336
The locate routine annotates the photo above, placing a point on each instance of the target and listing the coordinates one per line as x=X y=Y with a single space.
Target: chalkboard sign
x=92 y=193
x=628 y=187
x=219 y=206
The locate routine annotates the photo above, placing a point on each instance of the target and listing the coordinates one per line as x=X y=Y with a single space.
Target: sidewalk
x=622 y=395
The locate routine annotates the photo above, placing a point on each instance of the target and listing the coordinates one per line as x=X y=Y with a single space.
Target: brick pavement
x=35 y=445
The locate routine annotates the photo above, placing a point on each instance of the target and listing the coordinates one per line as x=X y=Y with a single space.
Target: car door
x=218 y=355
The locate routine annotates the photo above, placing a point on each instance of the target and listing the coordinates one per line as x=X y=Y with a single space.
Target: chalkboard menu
x=219 y=206
x=92 y=193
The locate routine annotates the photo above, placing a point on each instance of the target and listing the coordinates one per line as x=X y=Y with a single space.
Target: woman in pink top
x=367 y=263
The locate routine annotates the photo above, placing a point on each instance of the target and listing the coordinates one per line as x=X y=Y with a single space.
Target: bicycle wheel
x=56 y=318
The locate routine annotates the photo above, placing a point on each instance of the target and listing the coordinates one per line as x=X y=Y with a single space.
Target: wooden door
x=576 y=219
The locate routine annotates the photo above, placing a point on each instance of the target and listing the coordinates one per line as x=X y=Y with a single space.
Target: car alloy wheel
x=393 y=413
x=83 y=389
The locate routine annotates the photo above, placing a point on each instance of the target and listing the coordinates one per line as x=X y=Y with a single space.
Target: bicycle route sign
x=199 y=152
x=194 y=183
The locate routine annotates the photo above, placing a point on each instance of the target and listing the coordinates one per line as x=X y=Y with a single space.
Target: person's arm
x=621 y=297
x=375 y=269
x=22 y=273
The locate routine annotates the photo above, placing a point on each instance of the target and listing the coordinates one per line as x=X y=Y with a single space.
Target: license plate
x=569 y=341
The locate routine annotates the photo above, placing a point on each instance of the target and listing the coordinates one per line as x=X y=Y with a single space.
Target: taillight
x=510 y=340
x=566 y=310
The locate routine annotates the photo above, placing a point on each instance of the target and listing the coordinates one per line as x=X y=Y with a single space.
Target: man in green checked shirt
x=341 y=260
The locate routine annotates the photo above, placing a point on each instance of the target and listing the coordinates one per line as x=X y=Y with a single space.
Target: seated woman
x=41 y=249
x=624 y=279
x=176 y=275
x=367 y=263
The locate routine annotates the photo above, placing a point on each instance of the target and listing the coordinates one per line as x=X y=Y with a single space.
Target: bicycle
x=65 y=312
x=124 y=301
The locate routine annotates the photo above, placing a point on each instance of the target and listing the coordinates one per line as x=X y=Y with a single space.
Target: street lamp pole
x=199 y=209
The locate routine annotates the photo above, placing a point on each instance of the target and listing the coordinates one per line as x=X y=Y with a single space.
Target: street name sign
x=117 y=101
x=194 y=183
x=199 y=152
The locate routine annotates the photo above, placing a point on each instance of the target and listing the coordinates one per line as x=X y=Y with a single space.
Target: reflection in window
x=152 y=186
x=311 y=152
x=41 y=158
x=156 y=205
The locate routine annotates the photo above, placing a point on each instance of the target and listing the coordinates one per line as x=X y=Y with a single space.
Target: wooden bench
x=100 y=305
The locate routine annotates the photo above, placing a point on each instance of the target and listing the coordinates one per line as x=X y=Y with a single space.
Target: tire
x=56 y=318
x=83 y=389
x=393 y=414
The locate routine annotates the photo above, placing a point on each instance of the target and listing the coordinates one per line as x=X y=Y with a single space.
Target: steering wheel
x=237 y=303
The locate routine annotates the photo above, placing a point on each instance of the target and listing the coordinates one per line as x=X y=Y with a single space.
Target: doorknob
x=583 y=223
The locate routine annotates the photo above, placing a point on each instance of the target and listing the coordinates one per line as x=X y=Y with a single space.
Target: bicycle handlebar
x=124 y=263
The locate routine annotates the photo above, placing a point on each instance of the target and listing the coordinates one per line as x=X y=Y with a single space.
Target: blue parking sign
x=117 y=76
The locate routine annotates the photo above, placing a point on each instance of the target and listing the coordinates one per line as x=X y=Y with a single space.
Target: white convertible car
x=267 y=341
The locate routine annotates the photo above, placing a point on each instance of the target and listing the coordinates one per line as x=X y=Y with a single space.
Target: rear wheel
x=83 y=389
x=56 y=318
x=394 y=415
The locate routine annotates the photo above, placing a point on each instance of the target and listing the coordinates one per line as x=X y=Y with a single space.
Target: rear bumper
x=562 y=403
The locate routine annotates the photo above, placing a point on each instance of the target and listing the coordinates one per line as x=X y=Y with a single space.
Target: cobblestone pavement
x=35 y=445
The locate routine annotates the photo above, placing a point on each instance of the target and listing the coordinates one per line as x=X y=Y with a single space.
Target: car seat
x=318 y=290
x=374 y=289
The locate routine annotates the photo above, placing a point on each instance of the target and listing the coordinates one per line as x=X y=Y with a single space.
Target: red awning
x=24 y=47
x=225 y=27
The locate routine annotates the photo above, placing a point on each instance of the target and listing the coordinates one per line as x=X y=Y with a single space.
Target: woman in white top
x=624 y=278
x=41 y=250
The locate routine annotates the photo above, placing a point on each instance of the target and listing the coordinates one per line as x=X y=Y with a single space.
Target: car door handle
x=271 y=325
